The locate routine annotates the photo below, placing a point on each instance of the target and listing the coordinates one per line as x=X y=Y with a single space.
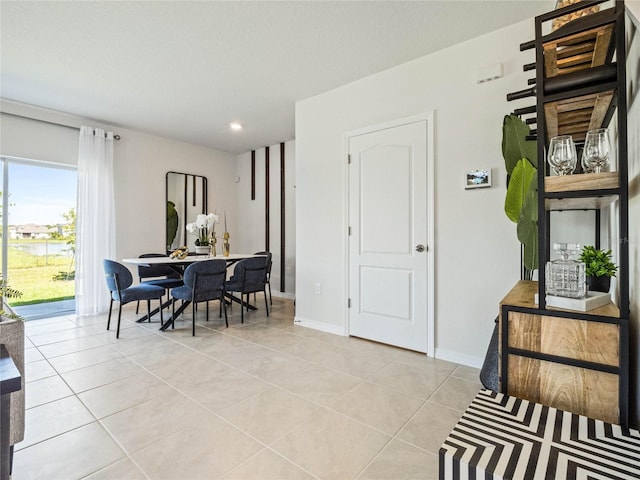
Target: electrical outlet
x=318 y=288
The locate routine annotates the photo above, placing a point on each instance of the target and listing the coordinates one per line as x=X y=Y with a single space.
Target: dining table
x=179 y=265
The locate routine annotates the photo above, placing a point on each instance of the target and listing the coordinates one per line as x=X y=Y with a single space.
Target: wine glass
x=562 y=154
x=596 y=149
x=586 y=168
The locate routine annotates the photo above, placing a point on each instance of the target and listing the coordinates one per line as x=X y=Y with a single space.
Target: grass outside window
x=40 y=278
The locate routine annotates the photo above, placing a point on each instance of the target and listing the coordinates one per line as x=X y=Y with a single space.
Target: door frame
x=428 y=117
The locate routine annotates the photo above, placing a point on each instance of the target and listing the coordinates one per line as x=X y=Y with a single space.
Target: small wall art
x=478 y=178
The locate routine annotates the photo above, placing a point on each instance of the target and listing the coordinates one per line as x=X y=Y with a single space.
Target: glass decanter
x=565 y=277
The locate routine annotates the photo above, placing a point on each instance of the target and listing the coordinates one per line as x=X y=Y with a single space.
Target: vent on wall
x=489 y=73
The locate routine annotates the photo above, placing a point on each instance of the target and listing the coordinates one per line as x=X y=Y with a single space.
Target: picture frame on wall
x=480 y=178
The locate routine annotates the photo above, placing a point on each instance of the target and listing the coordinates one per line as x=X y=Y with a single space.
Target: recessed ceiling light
x=235 y=126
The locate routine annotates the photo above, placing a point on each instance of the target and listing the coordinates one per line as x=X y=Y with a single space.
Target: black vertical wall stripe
x=266 y=203
x=253 y=174
x=282 y=217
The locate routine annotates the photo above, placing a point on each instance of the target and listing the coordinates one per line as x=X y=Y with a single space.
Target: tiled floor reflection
x=267 y=400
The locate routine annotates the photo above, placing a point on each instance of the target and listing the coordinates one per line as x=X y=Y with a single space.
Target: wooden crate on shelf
x=563 y=20
x=577 y=52
x=575 y=116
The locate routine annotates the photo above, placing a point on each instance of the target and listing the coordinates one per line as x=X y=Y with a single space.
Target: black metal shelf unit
x=611 y=16
x=593 y=83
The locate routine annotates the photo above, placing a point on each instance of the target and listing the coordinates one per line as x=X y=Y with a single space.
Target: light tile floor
x=265 y=400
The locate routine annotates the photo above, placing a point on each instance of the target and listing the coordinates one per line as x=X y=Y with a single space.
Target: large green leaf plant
x=521 y=202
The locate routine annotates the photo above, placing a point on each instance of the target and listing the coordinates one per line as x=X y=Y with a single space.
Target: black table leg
x=171 y=318
x=153 y=312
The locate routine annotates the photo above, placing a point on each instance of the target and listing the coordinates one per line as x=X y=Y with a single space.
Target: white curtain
x=95 y=221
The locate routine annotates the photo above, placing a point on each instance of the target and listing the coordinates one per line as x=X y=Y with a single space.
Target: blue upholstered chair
x=160 y=275
x=249 y=276
x=268 y=280
x=119 y=281
x=203 y=281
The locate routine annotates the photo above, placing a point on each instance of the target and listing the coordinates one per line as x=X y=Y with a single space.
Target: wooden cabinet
x=562 y=359
x=575 y=361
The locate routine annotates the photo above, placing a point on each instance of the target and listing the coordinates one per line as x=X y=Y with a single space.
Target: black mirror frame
x=204 y=193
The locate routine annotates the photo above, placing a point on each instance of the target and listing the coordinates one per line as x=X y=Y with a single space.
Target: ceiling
x=186 y=69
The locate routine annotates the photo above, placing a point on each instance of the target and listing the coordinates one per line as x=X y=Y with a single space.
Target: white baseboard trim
x=323 y=327
x=288 y=296
x=460 y=358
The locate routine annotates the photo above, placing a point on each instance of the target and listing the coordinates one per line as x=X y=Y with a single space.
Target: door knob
x=420 y=248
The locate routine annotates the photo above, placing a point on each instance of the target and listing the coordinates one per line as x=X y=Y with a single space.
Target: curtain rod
x=116 y=137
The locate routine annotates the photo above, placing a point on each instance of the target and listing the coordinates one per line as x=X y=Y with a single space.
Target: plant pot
x=203 y=249
x=599 y=284
x=12 y=335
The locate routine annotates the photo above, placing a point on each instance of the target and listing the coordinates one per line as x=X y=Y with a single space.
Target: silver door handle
x=420 y=248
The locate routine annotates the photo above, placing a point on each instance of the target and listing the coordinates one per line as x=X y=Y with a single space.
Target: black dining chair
x=160 y=275
x=268 y=280
x=249 y=276
x=203 y=281
x=119 y=281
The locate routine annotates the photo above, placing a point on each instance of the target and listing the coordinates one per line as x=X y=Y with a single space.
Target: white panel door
x=388 y=241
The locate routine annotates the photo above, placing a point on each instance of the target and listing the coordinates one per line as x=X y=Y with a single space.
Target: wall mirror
x=186 y=197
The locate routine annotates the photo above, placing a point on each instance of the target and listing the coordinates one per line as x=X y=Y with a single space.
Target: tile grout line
x=236 y=334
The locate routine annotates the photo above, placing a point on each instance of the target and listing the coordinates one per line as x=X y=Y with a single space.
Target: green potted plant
x=8 y=292
x=521 y=202
x=599 y=268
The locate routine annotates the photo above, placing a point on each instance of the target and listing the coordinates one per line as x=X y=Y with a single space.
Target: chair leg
x=119 y=315
x=10 y=460
x=149 y=310
x=207 y=310
x=242 y=308
x=266 y=304
x=224 y=305
x=137 y=306
x=173 y=314
x=193 y=319
x=270 y=297
x=109 y=318
x=160 y=308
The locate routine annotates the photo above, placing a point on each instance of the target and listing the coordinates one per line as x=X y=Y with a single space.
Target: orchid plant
x=204 y=227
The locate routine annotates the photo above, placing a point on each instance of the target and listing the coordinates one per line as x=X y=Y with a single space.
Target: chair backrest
x=153 y=271
x=269 y=262
x=252 y=273
x=206 y=279
x=117 y=275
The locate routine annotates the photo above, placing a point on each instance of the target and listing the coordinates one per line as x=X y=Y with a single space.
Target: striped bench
x=499 y=436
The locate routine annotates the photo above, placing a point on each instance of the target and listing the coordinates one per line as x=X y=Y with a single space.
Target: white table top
x=189 y=259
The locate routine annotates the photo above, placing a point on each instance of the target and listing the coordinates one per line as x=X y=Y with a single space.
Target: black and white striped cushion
x=500 y=436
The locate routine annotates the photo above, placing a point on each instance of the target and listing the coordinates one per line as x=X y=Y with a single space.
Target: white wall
x=633 y=129
x=252 y=212
x=141 y=162
x=476 y=251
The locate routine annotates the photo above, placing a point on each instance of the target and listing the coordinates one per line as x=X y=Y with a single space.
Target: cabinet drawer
x=566 y=337
x=575 y=389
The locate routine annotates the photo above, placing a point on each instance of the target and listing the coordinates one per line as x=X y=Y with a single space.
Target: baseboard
x=288 y=296
x=323 y=327
x=460 y=358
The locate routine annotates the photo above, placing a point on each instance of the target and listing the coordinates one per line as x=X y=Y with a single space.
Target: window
x=38 y=235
